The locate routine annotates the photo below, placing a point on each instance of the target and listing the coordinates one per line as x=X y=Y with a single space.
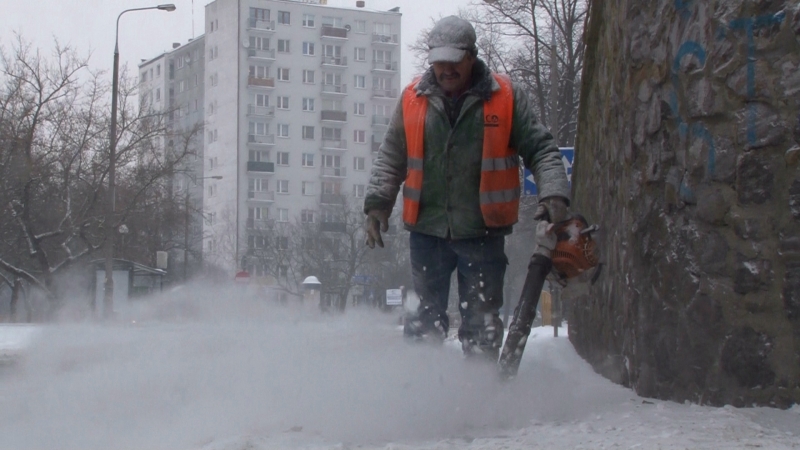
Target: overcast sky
x=88 y=25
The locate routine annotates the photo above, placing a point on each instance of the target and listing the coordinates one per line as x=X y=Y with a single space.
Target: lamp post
x=108 y=297
x=186 y=225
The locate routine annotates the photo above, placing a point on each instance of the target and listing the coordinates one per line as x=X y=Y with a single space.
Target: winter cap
x=450 y=39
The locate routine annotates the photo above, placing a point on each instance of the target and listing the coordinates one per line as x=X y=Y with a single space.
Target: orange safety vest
x=499 y=186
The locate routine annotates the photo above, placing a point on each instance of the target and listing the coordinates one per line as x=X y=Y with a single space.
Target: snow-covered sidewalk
x=259 y=378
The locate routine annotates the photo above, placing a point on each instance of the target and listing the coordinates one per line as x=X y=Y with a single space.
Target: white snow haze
x=205 y=368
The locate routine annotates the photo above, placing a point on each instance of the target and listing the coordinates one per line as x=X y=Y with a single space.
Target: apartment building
x=173 y=83
x=297 y=96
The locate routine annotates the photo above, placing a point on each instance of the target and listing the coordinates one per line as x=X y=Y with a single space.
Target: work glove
x=377 y=221
x=545 y=239
x=552 y=209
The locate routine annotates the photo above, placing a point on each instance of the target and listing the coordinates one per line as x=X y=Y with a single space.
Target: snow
x=228 y=373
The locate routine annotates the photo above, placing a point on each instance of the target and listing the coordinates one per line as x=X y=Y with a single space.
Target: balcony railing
x=259 y=53
x=333 y=171
x=261 y=196
x=381 y=120
x=334 y=144
x=376 y=145
x=390 y=66
x=334 y=89
x=390 y=39
x=261 y=166
x=332 y=199
x=384 y=93
x=261 y=139
x=261 y=25
x=259 y=224
x=335 y=227
x=334 y=32
x=337 y=61
x=261 y=111
x=338 y=116
x=261 y=82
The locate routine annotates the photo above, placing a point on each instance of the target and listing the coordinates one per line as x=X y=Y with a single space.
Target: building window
x=283 y=215
x=144 y=76
x=181 y=85
x=308 y=76
x=308 y=160
x=259 y=13
x=360 y=26
x=308 y=188
x=308 y=20
x=257 y=184
x=358 y=190
x=282 y=158
x=359 y=136
x=381 y=56
x=308 y=48
x=360 y=54
x=333 y=134
x=358 y=109
x=158 y=70
x=308 y=104
x=284 y=18
x=358 y=163
x=283 y=102
x=308 y=132
x=282 y=242
x=211 y=108
x=262 y=100
x=261 y=72
x=307 y=216
x=283 y=130
x=214 y=79
x=213 y=26
x=383 y=29
x=257 y=128
x=259 y=43
x=158 y=94
x=283 y=187
x=258 y=155
x=181 y=61
x=360 y=81
x=283 y=46
x=283 y=74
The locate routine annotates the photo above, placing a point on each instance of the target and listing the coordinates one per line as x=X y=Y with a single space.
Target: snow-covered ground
x=232 y=374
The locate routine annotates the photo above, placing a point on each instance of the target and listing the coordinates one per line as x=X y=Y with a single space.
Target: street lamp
x=108 y=298
x=186 y=225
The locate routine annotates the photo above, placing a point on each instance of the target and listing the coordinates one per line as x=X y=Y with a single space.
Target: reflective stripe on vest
x=499 y=185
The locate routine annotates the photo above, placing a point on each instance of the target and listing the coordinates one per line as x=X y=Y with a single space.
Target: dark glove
x=377 y=221
x=545 y=239
x=552 y=209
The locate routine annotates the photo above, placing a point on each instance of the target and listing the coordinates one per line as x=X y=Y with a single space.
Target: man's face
x=454 y=78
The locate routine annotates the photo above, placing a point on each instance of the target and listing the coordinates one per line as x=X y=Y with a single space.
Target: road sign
x=394 y=297
x=567 y=157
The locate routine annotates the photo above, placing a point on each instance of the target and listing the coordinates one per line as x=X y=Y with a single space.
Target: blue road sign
x=529 y=184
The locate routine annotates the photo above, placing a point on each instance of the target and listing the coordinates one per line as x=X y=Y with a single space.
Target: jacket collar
x=483 y=83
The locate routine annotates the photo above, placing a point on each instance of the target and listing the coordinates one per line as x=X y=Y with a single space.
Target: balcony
x=336 y=89
x=329 y=31
x=376 y=145
x=259 y=224
x=261 y=196
x=331 y=115
x=261 y=25
x=261 y=112
x=385 y=39
x=381 y=121
x=268 y=54
x=334 y=172
x=260 y=82
x=334 y=144
x=331 y=199
x=261 y=167
x=384 y=66
x=334 y=61
x=261 y=139
x=387 y=93
x=335 y=227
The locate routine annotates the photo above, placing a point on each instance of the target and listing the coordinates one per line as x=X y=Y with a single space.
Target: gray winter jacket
x=449 y=203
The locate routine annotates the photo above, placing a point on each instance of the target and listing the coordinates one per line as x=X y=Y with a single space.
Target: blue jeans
x=481 y=265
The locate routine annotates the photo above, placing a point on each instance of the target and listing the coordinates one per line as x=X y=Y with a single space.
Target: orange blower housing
x=575 y=251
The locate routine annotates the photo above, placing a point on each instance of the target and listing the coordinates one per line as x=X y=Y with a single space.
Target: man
x=455 y=140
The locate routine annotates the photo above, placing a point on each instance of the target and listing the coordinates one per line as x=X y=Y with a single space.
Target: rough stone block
x=759 y=126
x=751 y=275
x=754 y=180
x=791 y=291
x=794 y=199
x=711 y=205
x=747 y=228
x=745 y=357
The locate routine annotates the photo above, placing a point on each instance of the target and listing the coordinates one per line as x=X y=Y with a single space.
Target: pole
x=186 y=238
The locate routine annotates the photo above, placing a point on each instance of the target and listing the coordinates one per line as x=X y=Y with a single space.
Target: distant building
x=295 y=97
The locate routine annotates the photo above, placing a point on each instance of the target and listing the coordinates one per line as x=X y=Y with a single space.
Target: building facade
x=297 y=97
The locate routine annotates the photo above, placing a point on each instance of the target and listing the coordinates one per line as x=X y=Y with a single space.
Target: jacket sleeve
x=538 y=149
x=389 y=167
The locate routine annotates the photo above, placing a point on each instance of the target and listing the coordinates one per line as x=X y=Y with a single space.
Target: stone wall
x=687 y=157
